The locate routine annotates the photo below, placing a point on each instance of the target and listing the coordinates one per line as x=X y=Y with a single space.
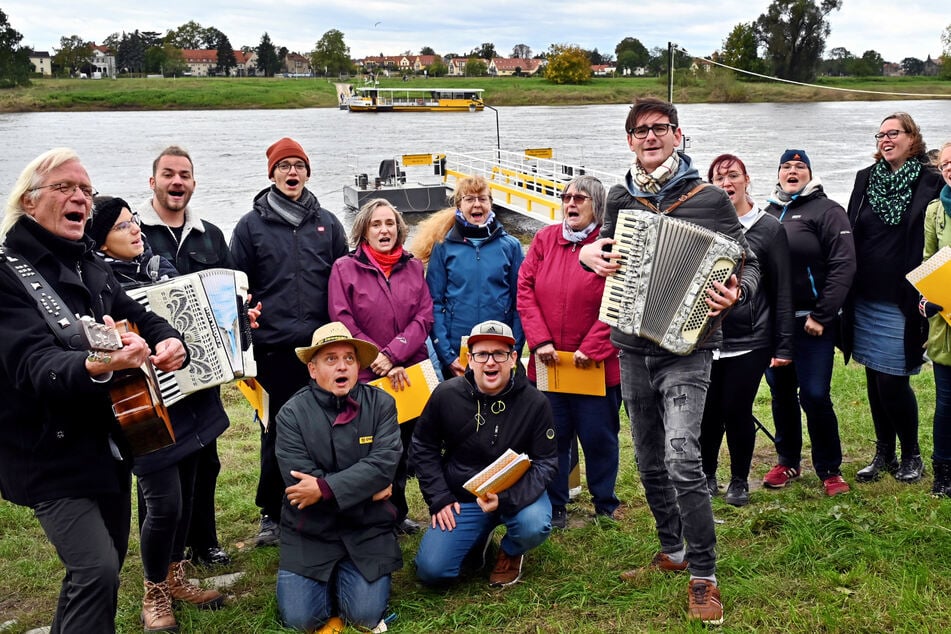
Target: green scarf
x=945 y=197
x=890 y=192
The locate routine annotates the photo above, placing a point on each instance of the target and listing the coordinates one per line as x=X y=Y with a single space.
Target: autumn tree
x=567 y=64
x=331 y=54
x=475 y=67
x=15 y=66
x=794 y=33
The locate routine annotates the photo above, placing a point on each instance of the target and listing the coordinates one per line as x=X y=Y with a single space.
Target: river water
x=228 y=147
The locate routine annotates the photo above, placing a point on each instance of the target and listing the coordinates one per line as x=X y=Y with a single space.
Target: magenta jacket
x=396 y=314
x=558 y=302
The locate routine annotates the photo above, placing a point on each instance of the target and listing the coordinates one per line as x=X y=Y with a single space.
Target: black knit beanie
x=105 y=211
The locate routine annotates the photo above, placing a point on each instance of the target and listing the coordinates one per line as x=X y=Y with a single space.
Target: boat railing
x=522 y=183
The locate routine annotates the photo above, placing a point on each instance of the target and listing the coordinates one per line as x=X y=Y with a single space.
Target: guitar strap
x=61 y=321
x=684 y=198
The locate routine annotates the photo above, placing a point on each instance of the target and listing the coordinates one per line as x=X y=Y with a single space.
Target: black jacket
x=767 y=320
x=449 y=445
x=56 y=422
x=203 y=245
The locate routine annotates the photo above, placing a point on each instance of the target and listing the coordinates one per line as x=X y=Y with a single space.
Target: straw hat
x=336 y=332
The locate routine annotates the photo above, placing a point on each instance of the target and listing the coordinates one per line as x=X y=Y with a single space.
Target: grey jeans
x=664 y=395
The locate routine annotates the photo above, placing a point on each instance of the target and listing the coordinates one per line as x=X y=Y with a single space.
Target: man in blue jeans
x=665 y=392
x=468 y=423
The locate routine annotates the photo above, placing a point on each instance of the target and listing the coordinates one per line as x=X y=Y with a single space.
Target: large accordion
x=209 y=308
x=667 y=266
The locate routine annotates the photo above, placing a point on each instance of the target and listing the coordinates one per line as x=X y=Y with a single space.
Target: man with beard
x=286 y=245
x=175 y=231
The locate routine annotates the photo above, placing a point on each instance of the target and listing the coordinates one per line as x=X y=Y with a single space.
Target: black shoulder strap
x=61 y=321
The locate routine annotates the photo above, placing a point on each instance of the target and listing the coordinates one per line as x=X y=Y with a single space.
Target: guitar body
x=136 y=402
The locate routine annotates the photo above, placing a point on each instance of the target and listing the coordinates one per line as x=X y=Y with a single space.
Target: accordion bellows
x=667 y=266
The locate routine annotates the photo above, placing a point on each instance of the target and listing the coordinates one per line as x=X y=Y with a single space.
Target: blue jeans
x=596 y=421
x=441 y=553
x=807 y=382
x=942 y=412
x=306 y=604
x=665 y=395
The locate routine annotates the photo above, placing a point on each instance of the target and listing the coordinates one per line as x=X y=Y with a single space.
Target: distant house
x=42 y=63
x=204 y=62
x=509 y=66
x=932 y=67
x=103 y=61
x=891 y=69
x=297 y=65
x=603 y=70
x=457 y=66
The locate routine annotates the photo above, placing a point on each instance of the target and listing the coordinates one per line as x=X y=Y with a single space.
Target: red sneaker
x=779 y=476
x=835 y=485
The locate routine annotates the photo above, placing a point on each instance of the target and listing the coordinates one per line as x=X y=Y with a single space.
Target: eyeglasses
x=499 y=356
x=577 y=199
x=474 y=199
x=125 y=225
x=731 y=176
x=944 y=167
x=793 y=165
x=69 y=188
x=284 y=166
x=891 y=134
x=331 y=359
x=659 y=129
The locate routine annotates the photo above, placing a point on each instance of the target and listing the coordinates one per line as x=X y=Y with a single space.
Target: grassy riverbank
x=203 y=93
x=793 y=561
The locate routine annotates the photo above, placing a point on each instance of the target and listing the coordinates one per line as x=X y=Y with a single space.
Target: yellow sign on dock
x=540 y=152
x=412 y=160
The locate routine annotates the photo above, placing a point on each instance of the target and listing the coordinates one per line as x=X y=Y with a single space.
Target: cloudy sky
x=392 y=27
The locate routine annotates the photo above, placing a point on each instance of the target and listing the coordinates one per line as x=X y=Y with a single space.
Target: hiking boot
x=407 y=527
x=704 y=603
x=712 y=486
x=559 y=517
x=910 y=470
x=157 y=615
x=661 y=561
x=209 y=557
x=942 y=478
x=507 y=571
x=738 y=493
x=779 y=476
x=835 y=485
x=269 y=533
x=182 y=589
x=880 y=464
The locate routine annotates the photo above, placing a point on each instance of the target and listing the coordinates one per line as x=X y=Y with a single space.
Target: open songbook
x=567 y=378
x=500 y=475
x=411 y=400
x=933 y=280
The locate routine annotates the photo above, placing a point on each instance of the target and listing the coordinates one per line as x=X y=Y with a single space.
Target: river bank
x=220 y=93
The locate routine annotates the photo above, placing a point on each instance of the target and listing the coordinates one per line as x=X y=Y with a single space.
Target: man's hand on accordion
x=601 y=262
x=722 y=296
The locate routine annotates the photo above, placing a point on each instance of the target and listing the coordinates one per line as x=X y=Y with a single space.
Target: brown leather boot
x=157 y=613
x=183 y=590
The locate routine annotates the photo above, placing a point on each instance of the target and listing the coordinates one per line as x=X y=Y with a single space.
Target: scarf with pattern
x=890 y=192
x=652 y=182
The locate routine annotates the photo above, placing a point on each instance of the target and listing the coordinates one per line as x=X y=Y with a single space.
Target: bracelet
x=98 y=357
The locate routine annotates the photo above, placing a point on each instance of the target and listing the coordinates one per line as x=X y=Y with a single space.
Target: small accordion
x=209 y=308
x=660 y=291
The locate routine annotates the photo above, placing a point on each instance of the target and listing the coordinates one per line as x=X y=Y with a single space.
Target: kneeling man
x=470 y=421
x=338 y=444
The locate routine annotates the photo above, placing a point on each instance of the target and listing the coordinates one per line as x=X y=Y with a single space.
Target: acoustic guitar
x=136 y=402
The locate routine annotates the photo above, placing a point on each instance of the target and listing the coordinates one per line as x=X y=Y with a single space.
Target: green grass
x=878 y=559
x=207 y=93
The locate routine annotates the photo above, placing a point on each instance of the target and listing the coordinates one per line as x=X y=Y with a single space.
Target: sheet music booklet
x=411 y=400
x=933 y=280
x=505 y=471
x=567 y=378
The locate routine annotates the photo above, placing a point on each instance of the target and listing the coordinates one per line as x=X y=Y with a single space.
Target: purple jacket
x=396 y=314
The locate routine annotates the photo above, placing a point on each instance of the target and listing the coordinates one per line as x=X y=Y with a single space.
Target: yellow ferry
x=372 y=99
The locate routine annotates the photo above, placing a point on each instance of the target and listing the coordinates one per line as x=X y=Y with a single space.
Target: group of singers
x=331 y=313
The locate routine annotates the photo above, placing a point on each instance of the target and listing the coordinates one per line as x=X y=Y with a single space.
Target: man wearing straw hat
x=338 y=444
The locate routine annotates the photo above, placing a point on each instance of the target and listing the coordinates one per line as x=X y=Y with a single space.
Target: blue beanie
x=795 y=155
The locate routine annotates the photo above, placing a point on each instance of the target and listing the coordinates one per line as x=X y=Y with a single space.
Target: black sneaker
x=880 y=465
x=559 y=517
x=910 y=470
x=738 y=493
x=712 y=487
x=210 y=557
x=407 y=527
x=270 y=533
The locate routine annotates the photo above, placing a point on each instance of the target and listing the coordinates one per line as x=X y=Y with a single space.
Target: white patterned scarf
x=651 y=183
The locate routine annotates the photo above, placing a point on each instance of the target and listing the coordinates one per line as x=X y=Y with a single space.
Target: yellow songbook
x=411 y=400
x=505 y=471
x=567 y=378
x=258 y=398
x=933 y=280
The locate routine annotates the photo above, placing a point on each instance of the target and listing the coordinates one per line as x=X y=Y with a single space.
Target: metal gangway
x=527 y=182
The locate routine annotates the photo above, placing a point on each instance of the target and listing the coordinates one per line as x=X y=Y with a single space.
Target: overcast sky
x=910 y=28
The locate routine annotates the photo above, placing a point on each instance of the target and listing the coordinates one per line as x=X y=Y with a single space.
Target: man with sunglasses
x=664 y=392
x=469 y=422
x=286 y=245
x=175 y=231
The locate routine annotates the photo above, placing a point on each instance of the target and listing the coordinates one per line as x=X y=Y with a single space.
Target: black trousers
x=166 y=500
x=203 y=528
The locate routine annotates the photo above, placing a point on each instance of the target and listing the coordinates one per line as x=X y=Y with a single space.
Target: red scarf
x=386 y=261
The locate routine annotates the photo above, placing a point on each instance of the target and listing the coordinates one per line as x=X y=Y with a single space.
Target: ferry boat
x=529 y=183
x=374 y=99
